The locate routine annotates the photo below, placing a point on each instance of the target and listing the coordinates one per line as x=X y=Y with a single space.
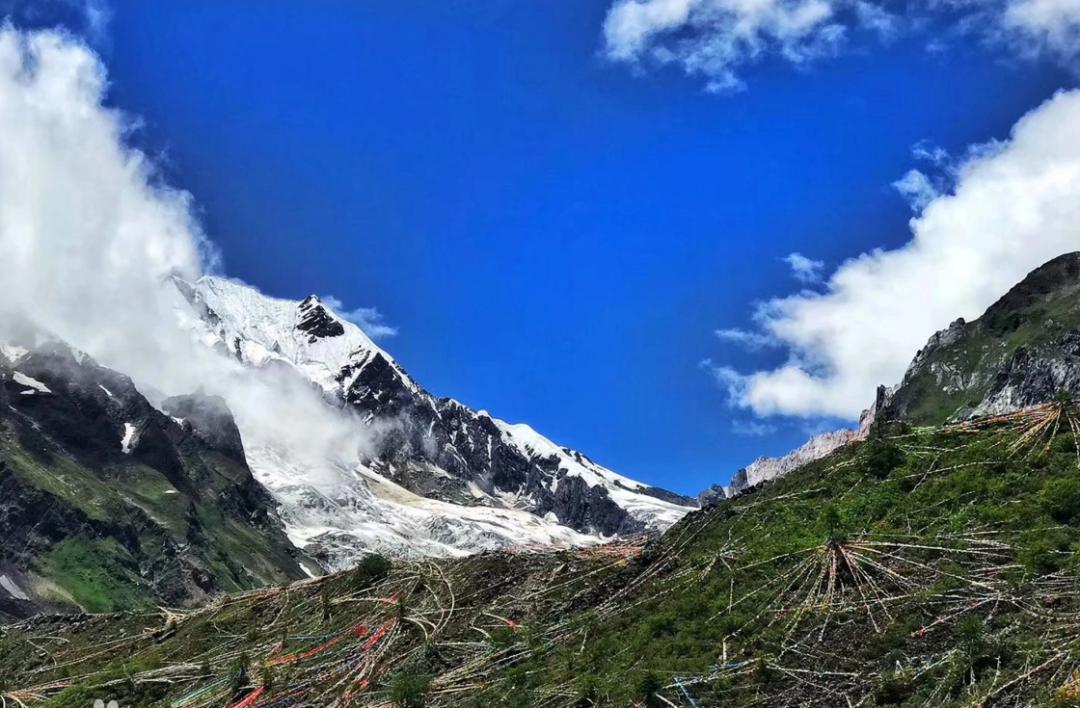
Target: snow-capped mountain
x=415 y=473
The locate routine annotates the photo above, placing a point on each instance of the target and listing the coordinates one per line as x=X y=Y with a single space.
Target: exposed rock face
x=105 y=502
x=210 y=420
x=432 y=447
x=715 y=493
x=1021 y=352
x=765 y=469
x=316 y=321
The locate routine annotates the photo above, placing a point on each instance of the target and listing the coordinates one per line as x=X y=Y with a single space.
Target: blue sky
x=555 y=236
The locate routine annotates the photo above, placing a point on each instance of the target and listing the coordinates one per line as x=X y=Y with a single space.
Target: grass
x=99 y=574
x=924 y=567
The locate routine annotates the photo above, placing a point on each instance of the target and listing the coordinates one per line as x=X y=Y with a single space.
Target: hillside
x=1023 y=349
x=108 y=503
x=923 y=566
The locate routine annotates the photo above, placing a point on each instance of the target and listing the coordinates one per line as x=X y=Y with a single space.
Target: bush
x=893 y=688
x=1045 y=551
x=239 y=673
x=832 y=523
x=1061 y=499
x=882 y=458
x=372 y=568
x=588 y=691
x=408 y=689
x=647 y=687
x=972 y=635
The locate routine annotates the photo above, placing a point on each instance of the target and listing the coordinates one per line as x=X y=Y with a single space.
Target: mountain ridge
x=432 y=447
x=1021 y=351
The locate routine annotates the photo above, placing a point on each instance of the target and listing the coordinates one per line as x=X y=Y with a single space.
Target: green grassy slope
x=87 y=524
x=923 y=567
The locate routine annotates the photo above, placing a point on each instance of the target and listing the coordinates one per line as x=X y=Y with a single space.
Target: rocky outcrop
x=210 y=420
x=1022 y=351
x=765 y=469
x=107 y=503
x=316 y=321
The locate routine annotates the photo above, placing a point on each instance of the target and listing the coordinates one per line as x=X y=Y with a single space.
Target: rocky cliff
x=1022 y=351
x=106 y=502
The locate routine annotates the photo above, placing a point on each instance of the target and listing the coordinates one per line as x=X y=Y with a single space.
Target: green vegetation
x=408 y=689
x=1035 y=317
x=121 y=536
x=922 y=567
x=99 y=574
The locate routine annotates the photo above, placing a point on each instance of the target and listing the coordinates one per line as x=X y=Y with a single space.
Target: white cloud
x=89 y=18
x=745 y=338
x=917 y=189
x=716 y=38
x=719 y=39
x=368 y=319
x=803 y=269
x=752 y=428
x=1015 y=204
x=89 y=233
x=1052 y=25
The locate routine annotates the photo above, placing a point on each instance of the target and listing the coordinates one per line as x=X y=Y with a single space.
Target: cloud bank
x=718 y=40
x=1012 y=206
x=89 y=234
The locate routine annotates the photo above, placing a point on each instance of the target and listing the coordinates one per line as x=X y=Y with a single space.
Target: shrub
x=1061 y=499
x=408 y=689
x=239 y=673
x=971 y=632
x=832 y=523
x=882 y=458
x=647 y=687
x=893 y=688
x=373 y=568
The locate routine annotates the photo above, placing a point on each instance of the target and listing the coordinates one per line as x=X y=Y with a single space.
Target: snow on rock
x=441 y=480
x=12 y=352
x=130 y=439
x=340 y=511
x=12 y=589
x=259 y=330
x=32 y=385
x=627 y=493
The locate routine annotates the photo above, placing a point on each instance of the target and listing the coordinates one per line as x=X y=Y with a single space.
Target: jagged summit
x=439 y=477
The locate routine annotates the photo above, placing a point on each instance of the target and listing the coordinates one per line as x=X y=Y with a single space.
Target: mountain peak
x=1055 y=278
x=435 y=477
x=1020 y=352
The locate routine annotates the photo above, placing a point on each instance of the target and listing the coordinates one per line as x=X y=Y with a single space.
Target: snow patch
x=130 y=438
x=13 y=352
x=30 y=383
x=627 y=493
x=12 y=589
